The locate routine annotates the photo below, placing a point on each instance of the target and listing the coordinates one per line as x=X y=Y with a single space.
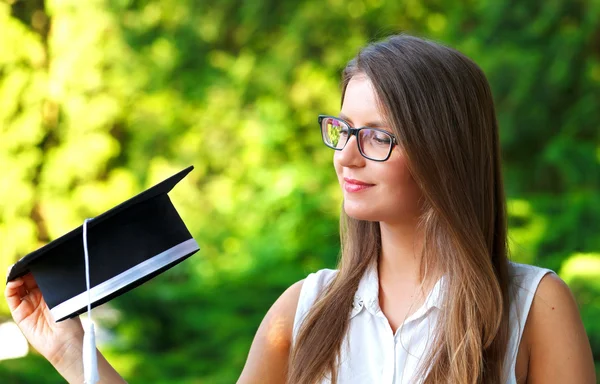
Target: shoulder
x=276 y=328
x=312 y=287
x=285 y=306
x=319 y=280
x=299 y=295
x=553 y=306
x=524 y=281
x=520 y=273
x=268 y=357
x=554 y=335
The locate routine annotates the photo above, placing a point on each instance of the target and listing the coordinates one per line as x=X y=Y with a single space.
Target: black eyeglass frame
x=355 y=132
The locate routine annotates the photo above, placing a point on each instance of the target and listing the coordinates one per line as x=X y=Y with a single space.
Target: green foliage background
x=103 y=98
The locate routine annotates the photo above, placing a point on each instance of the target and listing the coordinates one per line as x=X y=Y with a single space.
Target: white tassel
x=90 y=359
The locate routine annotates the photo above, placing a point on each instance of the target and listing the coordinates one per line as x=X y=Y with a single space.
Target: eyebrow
x=374 y=124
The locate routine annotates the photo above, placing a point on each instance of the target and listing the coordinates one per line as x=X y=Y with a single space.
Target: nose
x=350 y=156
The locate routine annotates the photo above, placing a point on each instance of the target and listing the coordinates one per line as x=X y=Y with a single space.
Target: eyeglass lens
x=373 y=143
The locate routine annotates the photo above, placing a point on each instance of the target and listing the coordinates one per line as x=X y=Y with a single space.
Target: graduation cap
x=128 y=245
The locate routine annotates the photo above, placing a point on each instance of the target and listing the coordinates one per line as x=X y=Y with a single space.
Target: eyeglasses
x=373 y=144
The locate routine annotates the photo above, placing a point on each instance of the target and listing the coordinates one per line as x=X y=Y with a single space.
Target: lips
x=353 y=185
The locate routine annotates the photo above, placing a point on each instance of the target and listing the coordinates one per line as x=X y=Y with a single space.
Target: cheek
x=397 y=171
x=336 y=165
x=400 y=182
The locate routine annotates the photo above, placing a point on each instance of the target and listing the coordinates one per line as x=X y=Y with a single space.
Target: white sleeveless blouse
x=371 y=353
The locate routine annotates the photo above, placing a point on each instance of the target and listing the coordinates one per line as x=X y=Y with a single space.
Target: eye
x=382 y=138
x=378 y=137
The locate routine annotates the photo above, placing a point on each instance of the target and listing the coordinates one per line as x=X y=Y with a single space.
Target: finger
x=30 y=282
x=14 y=292
x=17 y=288
x=15 y=283
x=12 y=286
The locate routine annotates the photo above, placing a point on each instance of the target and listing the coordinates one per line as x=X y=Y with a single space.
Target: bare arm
x=267 y=361
x=559 y=351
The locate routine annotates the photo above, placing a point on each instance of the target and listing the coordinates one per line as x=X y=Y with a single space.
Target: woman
x=424 y=292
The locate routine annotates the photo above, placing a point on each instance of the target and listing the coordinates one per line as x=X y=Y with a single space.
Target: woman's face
x=373 y=191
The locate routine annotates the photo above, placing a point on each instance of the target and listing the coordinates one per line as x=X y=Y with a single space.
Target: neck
x=400 y=258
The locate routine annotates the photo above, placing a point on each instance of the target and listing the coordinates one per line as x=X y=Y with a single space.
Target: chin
x=361 y=212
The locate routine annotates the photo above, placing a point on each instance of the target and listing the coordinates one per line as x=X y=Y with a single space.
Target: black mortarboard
x=128 y=245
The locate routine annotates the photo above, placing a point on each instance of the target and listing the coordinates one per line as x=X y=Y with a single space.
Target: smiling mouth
x=352 y=185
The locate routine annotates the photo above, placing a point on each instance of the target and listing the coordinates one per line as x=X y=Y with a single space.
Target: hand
x=32 y=315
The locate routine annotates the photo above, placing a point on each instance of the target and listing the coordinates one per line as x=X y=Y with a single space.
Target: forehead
x=361 y=104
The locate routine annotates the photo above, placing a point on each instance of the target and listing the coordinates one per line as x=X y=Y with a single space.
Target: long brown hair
x=439 y=105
